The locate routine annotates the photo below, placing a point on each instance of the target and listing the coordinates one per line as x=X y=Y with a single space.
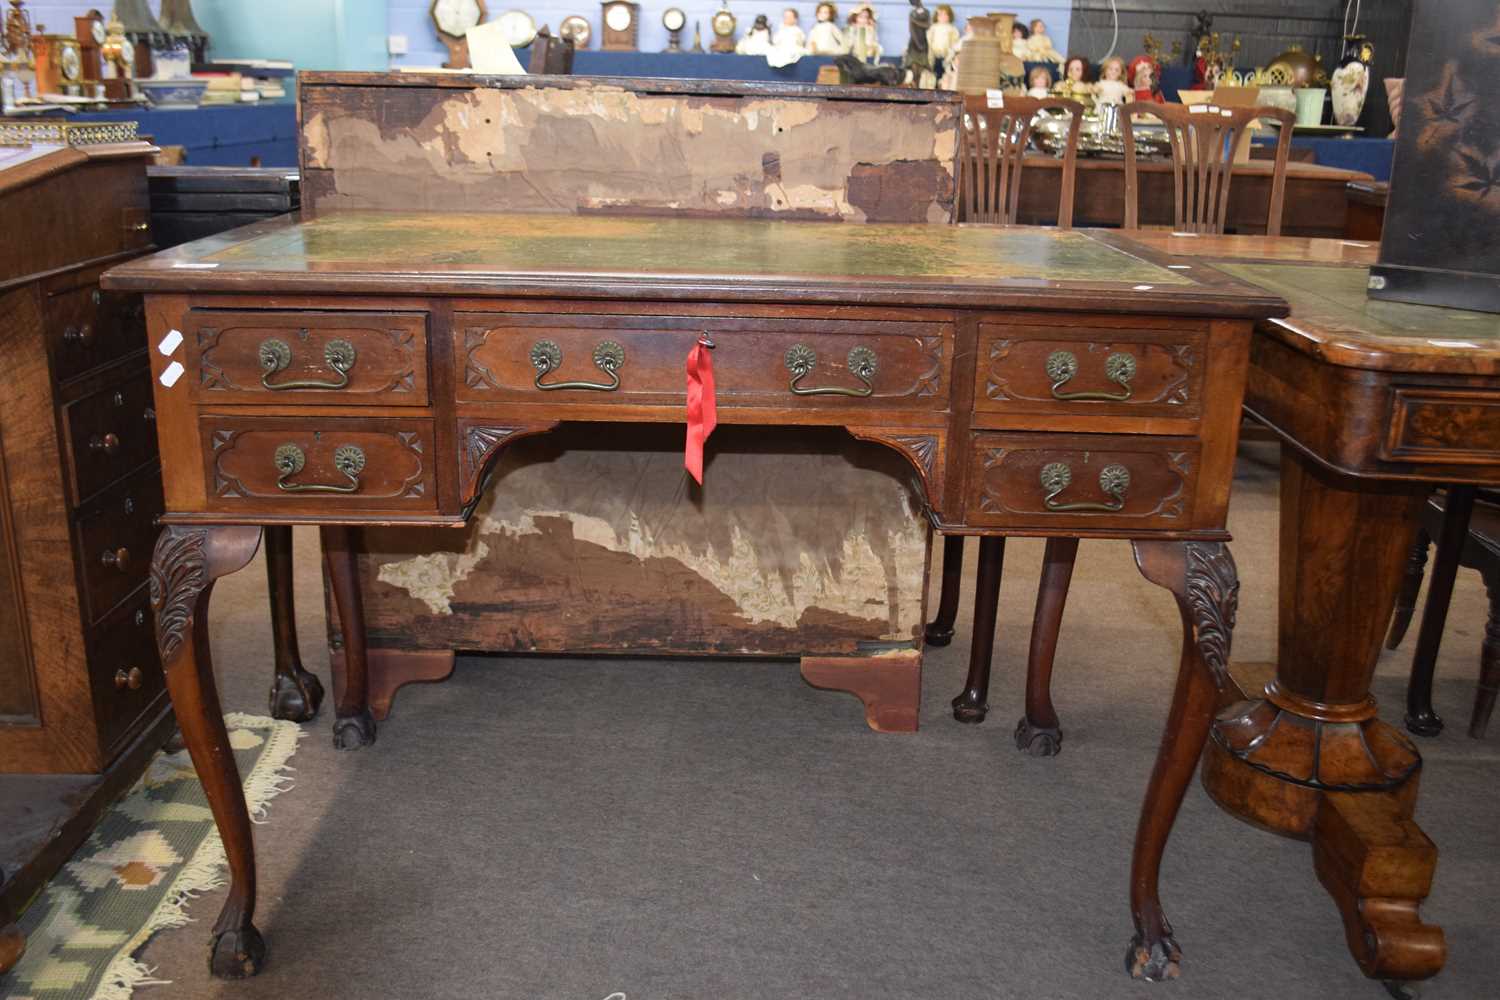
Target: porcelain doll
x=864 y=43
x=757 y=41
x=942 y=38
x=1112 y=88
x=1143 y=77
x=1039 y=45
x=1019 y=35
x=826 y=39
x=1075 y=85
x=1039 y=82
x=789 y=43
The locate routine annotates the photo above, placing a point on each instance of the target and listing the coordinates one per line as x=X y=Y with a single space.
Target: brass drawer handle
x=129 y=679
x=1114 y=480
x=78 y=336
x=801 y=359
x=1118 y=368
x=118 y=558
x=289 y=460
x=107 y=443
x=276 y=355
x=546 y=357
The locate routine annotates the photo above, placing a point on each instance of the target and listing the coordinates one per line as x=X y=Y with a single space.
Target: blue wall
x=350 y=34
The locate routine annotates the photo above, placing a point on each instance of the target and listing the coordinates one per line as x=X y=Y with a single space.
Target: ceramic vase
x=1350 y=83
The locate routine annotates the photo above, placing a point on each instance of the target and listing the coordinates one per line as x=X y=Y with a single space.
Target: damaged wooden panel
x=589 y=539
x=600 y=145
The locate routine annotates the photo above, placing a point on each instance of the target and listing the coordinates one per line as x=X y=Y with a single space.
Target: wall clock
x=576 y=30
x=517 y=27
x=621 y=24
x=674 y=20
x=723 y=23
x=453 y=19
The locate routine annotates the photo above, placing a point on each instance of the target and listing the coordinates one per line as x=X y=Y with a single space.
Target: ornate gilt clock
x=59 y=64
x=576 y=29
x=622 y=22
x=723 y=23
x=453 y=19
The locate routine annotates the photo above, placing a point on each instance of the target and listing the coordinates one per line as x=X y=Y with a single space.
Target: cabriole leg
x=1202 y=577
x=1039 y=732
x=972 y=705
x=296 y=694
x=940 y=629
x=354 y=726
x=186 y=563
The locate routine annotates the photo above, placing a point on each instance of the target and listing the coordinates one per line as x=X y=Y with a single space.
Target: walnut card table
x=1376 y=402
x=367 y=368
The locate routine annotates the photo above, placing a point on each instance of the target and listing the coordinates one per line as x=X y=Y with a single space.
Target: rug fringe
x=205 y=870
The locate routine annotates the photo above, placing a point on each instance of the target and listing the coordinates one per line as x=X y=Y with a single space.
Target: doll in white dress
x=1039 y=45
x=1039 y=82
x=864 y=43
x=1112 y=88
x=789 y=43
x=826 y=39
x=757 y=41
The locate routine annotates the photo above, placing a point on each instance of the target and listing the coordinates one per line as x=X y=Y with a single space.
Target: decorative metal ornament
x=1114 y=481
x=546 y=357
x=862 y=363
x=289 y=460
x=276 y=355
x=1119 y=368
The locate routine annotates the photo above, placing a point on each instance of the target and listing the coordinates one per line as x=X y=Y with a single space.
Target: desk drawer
x=293 y=464
x=116 y=534
x=517 y=357
x=88 y=328
x=1089 y=370
x=125 y=673
x=308 y=357
x=1082 y=481
x=110 y=432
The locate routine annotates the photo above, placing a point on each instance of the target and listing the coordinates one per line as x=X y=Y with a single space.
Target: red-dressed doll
x=1145 y=78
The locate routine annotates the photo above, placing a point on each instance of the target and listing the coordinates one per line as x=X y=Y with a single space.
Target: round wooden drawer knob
x=130 y=679
x=107 y=443
x=118 y=558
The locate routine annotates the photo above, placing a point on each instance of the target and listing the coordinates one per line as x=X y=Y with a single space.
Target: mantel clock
x=59 y=64
x=622 y=24
x=723 y=23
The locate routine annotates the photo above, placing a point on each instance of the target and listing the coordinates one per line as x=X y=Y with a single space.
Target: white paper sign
x=994 y=98
x=489 y=52
x=169 y=342
x=171 y=374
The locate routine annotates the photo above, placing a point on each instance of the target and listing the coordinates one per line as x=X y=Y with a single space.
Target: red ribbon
x=702 y=409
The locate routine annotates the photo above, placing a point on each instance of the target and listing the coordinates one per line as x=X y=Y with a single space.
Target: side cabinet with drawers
x=80 y=488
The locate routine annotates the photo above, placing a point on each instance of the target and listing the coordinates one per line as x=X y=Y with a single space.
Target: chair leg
x=1489 y=660
x=1420 y=717
x=972 y=705
x=940 y=629
x=1039 y=733
x=1411 y=585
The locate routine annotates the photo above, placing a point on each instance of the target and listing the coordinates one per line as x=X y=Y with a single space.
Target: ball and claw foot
x=938 y=635
x=351 y=732
x=970 y=710
x=1426 y=724
x=237 y=954
x=296 y=697
x=1158 y=963
x=1038 y=741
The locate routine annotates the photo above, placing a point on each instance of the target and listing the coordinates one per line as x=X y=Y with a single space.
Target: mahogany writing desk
x=367 y=368
x=1376 y=402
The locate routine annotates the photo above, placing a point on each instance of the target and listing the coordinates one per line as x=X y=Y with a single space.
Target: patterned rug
x=154 y=850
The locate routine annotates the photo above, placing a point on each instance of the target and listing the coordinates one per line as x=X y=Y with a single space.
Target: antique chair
x=1202 y=139
x=992 y=153
x=1466 y=525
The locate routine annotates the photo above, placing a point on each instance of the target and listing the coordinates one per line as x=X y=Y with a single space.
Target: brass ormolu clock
x=453 y=19
x=622 y=22
x=59 y=64
x=723 y=23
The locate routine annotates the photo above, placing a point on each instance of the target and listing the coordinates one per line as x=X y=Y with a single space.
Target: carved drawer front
x=757 y=362
x=110 y=433
x=1442 y=425
x=1083 y=370
x=125 y=673
x=88 y=327
x=1082 y=481
x=308 y=357
x=276 y=463
x=116 y=533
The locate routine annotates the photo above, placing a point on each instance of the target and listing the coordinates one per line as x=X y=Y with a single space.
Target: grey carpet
x=678 y=830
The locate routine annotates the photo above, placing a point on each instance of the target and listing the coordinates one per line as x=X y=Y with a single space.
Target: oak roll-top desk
x=367 y=367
